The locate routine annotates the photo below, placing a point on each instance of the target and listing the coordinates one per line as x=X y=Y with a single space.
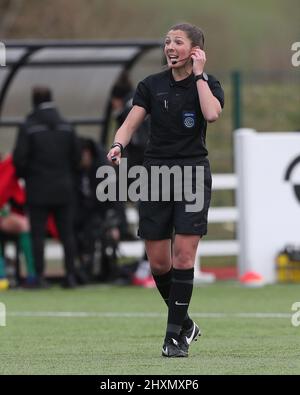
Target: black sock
x=163 y=283
x=179 y=300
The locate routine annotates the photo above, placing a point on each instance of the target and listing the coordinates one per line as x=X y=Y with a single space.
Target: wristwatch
x=203 y=76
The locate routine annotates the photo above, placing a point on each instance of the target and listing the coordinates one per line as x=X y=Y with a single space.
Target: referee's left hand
x=199 y=59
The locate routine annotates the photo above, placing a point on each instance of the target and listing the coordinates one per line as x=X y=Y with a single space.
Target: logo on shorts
x=189 y=119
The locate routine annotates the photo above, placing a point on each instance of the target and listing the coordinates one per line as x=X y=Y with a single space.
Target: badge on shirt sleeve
x=189 y=118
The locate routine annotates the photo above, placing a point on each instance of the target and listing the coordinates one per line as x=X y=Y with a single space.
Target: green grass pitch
x=106 y=330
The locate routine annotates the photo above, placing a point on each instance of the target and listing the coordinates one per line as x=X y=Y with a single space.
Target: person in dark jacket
x=47 y=155
x=96 y=223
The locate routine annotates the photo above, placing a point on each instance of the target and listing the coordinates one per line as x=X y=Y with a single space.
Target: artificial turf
x=120 y=330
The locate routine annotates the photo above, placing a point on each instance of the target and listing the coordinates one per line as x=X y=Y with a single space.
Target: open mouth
x=173 y=57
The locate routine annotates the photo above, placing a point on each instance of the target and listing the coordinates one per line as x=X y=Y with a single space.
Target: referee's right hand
x=114 y=155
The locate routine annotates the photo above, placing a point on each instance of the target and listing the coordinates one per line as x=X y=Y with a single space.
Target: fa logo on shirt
x=189 y=119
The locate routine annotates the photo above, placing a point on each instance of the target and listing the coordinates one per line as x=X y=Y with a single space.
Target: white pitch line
x=84 y=314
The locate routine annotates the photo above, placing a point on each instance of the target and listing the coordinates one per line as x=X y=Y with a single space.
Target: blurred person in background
x=120 y=98
x=121 y=102
x=13 y=222
x=95 y=222
x=47 y=155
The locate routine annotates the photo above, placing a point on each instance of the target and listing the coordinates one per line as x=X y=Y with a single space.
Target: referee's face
x=177 y=48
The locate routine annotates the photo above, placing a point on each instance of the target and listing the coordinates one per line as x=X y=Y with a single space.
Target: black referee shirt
x=178 y=128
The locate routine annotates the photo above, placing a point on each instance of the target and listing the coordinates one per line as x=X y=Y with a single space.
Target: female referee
x=181 y=100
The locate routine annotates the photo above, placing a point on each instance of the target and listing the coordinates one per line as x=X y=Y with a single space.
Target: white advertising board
x=268 y=199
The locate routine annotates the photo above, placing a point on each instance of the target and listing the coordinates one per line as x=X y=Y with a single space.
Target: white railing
x=219 y=215
x=206 y=248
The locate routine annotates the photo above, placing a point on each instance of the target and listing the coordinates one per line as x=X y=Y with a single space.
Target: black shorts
x=161 y=219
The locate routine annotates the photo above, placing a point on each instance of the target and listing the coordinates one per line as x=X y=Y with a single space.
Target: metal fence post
x=237 y=106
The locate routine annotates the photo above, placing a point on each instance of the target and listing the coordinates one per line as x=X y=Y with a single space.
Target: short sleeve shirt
x=178 y=128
